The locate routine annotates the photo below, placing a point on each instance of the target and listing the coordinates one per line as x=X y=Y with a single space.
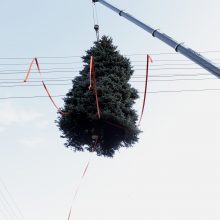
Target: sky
x=173 y=172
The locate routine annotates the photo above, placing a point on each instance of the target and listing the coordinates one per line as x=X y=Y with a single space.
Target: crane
x=178 y=47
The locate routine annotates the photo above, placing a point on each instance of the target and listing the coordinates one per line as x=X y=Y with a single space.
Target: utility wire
x=132 y=61
x=139 y=76
x=132 y=77
x=80 y=67
x=22 y=70
x=27 y=64
x=40 y=85
x=78 y=56
x=152 y=78
x=64 y=80
x=171 y=53
x=3 y=214
x=150 y=92
x=8 y=206
x=40 y=57
x=12 y=199
x=34 y=72
x=77 y=71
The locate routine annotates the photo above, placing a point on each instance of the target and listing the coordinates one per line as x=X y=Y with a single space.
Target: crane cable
x=95 y=20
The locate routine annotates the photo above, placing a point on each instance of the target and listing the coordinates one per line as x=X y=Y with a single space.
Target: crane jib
x=178 y=47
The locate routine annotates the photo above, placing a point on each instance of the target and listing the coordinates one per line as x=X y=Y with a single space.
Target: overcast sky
x=173 y=172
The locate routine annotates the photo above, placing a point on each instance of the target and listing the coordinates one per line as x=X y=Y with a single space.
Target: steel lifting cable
x=95 y=20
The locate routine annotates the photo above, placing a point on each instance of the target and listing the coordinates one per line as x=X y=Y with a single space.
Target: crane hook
x=96 y=28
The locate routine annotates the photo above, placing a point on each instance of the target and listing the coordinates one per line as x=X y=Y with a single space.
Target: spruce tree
x=117 y=126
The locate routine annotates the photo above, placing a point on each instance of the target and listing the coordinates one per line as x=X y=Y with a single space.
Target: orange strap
x=84 y=173
x=38 y=67
x=69 y=213
x=48 y=93
x=90 y=72
x=29 y=70
x=145 y=90
x=44 y=85
x=96 y=96
x=93 y=149
x=86 y=169
x=92 y=76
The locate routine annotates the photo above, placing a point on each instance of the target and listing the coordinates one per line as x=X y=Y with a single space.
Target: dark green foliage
x=117 y=126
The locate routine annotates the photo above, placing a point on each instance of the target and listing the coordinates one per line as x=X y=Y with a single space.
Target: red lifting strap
x=87 y=165
x=44 y=85
x=83 y=175
x=38 y=67
x=92 y=76
x=145 y=90
x=48 y=93
x=29 y=70
x=69 y=215
x=90 y=72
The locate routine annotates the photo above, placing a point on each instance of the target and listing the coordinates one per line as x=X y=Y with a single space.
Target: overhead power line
x=77 y=71
x=171 y=53
x=3 y=214
x=12 y=199
x=22 y=84
x=80 y=67
x=150 y=92
x=7 y=206
x=78 y=56
x=27 y=64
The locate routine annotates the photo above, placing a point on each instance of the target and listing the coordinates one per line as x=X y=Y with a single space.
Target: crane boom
x=179 y=47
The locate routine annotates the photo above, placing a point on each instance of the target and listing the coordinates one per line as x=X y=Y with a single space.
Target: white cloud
x=43 y=124
x=31 y=142
x=10 y=114
x=1 y=129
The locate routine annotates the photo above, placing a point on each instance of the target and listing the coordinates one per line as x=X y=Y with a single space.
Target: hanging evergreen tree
x=117 y=126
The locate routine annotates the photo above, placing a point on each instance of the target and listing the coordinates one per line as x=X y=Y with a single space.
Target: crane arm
x=178 y=47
